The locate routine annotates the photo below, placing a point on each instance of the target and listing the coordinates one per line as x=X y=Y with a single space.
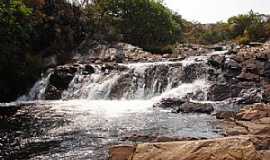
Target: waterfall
x=135 y=81
x=37 y=92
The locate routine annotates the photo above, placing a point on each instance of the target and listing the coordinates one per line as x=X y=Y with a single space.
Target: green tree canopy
x=145 y=23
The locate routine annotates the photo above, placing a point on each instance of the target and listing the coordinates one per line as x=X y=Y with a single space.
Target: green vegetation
x=30 y=32
x=145 y=23
x=242 y=29
x=18 y=67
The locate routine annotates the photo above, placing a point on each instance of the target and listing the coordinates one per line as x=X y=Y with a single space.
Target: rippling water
x=85 y=129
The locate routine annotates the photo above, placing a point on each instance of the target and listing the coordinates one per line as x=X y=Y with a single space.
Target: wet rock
x=247 y=76
x=225 y=114
x=216 y=60
x=190 y=107
x=220 y=92
x=232 y=64
x=52 y=93
x=169 y=103
x=123 y=86
x=88 y=69
x=193 y=72
x=250 y=96
x=233 y=148
x=156 y=78
x=61 y=78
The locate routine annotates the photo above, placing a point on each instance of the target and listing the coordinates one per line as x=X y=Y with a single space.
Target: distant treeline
x=33 y=30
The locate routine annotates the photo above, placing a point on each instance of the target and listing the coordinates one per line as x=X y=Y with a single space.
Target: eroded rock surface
x=232 y=148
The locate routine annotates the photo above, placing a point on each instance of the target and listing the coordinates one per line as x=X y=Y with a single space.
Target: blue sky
x=210 y=11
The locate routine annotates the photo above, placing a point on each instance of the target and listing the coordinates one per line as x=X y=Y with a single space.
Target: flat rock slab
x=230 y=148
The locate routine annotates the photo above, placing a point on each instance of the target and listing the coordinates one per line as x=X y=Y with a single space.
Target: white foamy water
x=38 y=90
x=200 y=85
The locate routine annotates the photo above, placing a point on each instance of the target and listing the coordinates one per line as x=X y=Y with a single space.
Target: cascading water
x=37 y=92
x=110 y=105
x=136 y=81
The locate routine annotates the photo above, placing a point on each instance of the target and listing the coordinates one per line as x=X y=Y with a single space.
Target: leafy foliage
x=242 y=29
x=145 y=23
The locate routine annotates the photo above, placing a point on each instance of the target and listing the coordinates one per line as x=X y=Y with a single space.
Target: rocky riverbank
x=247 y=137
x=240 y=79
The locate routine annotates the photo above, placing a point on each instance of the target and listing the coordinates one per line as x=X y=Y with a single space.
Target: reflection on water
x=85 y=129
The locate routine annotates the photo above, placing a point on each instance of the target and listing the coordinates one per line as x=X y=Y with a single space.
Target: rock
x=217 y=47
x=263 y=56
x=61 y=78
x=265 y=154
x=59 y=81
x=52 y=93
x=147 y=138
x=266 y=72
x=254 y=112
x=266 y=93
x=233 y=65
x=121 y=152
x=193 y=72
x=246 y=76
x=107 y=67
x=88 y=69
x=255 y=44
x=232 y=148
x=220 y=92
x=190 y=107
x=169 y=103
x=250 y=96
x=252 y=120
x=225 y=114
x=216 y=60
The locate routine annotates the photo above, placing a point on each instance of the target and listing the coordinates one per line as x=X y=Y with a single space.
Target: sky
x=211 y=11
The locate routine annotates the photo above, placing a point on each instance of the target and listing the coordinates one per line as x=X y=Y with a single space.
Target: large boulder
x=232 y=148
x=59 y=81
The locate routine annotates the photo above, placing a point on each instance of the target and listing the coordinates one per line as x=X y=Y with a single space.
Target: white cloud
x=210 y=11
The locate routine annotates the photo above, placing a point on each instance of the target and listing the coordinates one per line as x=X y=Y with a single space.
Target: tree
x=145 y=23
x=248 y=27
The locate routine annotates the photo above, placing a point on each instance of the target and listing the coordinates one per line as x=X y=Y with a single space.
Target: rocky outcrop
x=254 y=120
x=233 y=148
x=242 y=74
x=249 y=139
